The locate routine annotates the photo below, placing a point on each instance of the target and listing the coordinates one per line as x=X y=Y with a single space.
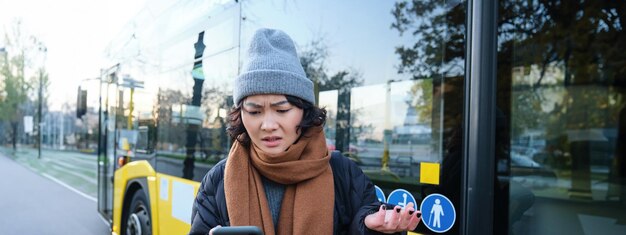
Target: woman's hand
x=395 y=220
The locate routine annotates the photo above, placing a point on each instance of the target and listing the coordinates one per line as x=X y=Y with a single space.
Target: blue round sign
x=438 y=213
x=401 y=197
x=380 y=194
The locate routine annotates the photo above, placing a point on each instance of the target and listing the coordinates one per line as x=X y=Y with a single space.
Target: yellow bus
x=162 y=110
x=167 y=90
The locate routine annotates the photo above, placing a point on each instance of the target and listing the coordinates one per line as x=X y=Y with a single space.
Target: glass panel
x=186 y=54
x=402 y=134
x=192 y=114
x=328 y=101
x=390 y=75
x=561 y=109
x=106 y=158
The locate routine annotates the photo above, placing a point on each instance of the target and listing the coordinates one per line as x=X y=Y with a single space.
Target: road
x=34 y=203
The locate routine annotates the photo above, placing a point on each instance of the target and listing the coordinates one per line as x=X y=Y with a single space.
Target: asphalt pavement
x=31 y=203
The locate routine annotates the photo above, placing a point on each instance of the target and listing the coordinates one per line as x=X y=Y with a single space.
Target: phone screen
x=238 y=230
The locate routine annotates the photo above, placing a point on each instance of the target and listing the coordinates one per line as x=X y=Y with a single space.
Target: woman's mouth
x=271 y=141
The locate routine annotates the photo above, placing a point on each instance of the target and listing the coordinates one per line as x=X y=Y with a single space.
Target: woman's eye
x=253 y=112
x=283 y=110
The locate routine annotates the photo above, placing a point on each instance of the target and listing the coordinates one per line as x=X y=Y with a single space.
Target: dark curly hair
x=312 y=116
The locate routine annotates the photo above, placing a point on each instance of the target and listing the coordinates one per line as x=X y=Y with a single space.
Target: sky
x=75 y=33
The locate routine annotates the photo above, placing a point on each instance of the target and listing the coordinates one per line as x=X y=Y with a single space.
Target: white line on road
x=69 y=187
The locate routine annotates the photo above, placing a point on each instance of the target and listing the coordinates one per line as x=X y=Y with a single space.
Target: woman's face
x=271 y=122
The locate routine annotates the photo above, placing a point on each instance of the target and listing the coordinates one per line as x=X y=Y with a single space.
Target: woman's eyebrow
x=279 y=103
x=253 y=105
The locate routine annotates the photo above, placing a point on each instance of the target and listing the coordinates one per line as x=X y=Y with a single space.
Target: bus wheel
x=138 y=217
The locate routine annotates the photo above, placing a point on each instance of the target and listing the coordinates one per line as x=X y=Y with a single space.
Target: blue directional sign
x=401 y=197
x=380 y=194
x=438 y=213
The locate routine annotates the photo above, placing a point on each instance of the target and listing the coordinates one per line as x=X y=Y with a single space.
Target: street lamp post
x=387 y=138
x=44 y=49
x=39 y=114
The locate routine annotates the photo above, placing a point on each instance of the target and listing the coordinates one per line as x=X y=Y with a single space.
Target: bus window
x=561 y=100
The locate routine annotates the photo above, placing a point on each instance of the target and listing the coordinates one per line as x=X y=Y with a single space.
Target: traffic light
x=81 y=103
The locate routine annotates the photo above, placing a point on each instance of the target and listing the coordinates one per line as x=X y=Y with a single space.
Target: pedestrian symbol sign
x=438 y=213
x=401 y=197
x=380 y=194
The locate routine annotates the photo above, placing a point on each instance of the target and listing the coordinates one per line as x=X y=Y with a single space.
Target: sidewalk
x=33 y=203
x=77 y=170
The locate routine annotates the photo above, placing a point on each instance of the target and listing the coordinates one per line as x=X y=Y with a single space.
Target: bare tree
x=21 y=49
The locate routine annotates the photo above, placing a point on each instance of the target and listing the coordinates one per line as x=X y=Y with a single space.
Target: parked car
x=530 y=173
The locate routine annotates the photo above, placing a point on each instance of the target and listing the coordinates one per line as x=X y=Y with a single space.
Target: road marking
x=69 y=187
x=72 y=171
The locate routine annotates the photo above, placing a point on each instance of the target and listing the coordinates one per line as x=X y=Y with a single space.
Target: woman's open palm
x=394 y=220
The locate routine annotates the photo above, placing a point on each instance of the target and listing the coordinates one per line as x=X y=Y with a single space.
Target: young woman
x=279 y=175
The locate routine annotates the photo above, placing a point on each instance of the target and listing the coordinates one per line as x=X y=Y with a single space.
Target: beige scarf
x=308 y=202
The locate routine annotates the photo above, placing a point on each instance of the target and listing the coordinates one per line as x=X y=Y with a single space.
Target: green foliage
x=16 y=92
x=14 y=88
x=439 y=32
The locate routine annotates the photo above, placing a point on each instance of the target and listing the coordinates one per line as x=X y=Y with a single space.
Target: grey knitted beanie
x=273 y=67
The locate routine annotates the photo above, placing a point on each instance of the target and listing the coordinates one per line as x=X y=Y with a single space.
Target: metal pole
x=40 y=109
x=62 y=126
x=387 y=131
x=479 y=119
x=99 y=146
x=39 y=113
x=130 y=108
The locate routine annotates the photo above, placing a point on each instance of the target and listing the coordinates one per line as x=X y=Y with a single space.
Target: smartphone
x=389 y=206
x=238 y=230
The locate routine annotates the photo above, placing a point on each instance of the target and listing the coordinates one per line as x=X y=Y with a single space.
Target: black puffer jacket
x=355 y=198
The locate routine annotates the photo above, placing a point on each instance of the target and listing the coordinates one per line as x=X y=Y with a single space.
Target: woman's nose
x=269 y=123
